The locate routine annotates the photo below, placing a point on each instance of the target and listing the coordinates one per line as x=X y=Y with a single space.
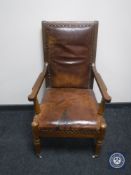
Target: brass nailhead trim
x=70 y=131
x=68 y=25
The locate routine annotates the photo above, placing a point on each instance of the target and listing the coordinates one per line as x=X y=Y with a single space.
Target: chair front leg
x=36 y=137
x=100 y=138
x=35 y=128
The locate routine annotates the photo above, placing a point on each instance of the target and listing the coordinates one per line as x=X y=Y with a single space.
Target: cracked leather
x=69 y=108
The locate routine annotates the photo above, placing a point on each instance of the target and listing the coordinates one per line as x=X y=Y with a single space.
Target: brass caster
x=95 y=156
x=39 y=156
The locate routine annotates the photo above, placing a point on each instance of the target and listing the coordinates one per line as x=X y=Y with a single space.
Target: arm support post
x=36 y=88
x=101 y=107
x=36 y=106
x=103 y=90
x=101 y=85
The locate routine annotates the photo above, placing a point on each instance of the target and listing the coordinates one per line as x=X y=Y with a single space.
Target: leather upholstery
x=70 y=49
x=69 y=108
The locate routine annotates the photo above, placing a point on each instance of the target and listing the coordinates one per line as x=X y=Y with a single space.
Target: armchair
x=69 y=107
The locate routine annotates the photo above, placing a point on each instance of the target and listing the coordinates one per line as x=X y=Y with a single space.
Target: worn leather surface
x=70 y=49
x=69 y=108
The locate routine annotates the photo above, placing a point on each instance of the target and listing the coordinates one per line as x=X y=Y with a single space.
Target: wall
x=21 y=45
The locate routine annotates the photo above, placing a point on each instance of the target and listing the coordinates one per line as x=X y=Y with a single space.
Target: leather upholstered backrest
x=69 y=49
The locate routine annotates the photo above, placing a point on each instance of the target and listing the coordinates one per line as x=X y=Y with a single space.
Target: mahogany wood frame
x=37 y=133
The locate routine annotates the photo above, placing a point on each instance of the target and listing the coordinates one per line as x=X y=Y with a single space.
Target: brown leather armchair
x=69 y=107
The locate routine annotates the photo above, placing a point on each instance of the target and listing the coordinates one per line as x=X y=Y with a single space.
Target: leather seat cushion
x=69 y=108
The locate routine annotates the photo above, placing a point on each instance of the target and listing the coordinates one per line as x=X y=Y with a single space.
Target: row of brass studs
x=71 y=131
x=68 y=25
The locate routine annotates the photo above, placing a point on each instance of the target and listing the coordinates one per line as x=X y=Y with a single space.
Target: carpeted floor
x=62 y=156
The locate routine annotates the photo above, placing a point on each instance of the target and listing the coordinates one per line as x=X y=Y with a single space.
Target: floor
x=62 y=156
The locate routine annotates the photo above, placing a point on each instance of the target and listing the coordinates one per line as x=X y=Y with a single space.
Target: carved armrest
x=38 y=84
x=101 y=84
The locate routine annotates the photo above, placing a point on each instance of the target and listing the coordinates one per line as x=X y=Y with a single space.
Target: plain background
x=21 y=54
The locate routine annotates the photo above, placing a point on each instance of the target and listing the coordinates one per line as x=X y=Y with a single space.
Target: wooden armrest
x=38 y=84
x=101 y=84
